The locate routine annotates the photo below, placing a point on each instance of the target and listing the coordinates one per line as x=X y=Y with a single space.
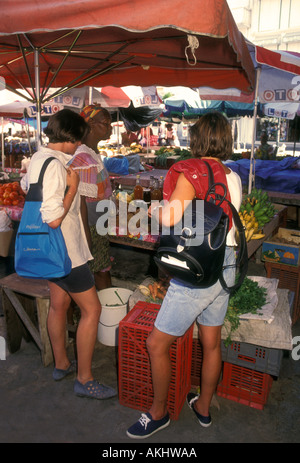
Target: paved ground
x=35 y=409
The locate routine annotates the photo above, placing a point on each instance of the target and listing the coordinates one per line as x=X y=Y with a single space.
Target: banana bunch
x=250 y=223
x=256 y=210
x=135 y=148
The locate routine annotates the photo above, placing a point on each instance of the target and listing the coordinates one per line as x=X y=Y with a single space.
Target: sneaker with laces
x=205 y=421
x=146 y=426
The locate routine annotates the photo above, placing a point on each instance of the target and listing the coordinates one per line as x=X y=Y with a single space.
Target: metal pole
x=38 y=98
x=252 y=160
x=2 y=142
x=90 y=95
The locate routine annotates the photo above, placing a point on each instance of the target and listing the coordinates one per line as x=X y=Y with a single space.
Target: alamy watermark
x=2 y=348
x=296 y=349
x=133 y=219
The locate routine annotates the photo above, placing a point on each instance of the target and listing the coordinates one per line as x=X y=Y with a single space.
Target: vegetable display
x=249 y=298
x=155 y=291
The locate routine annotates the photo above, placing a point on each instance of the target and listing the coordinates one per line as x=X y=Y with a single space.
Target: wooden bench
x=26 y=304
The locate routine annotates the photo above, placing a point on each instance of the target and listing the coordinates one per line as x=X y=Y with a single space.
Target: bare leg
x=158 y=345
x=90 y=308
x=210 y=337
x=56 y=323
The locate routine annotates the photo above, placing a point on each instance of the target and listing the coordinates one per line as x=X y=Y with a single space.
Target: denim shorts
x=183 y=305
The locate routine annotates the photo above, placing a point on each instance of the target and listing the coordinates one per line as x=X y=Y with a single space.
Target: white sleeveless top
x=235 y=189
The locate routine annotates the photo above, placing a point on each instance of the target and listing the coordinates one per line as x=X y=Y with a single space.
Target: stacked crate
x=135 y=382
x=247 y=372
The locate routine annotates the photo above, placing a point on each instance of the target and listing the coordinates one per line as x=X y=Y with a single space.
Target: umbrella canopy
x=183 y=102
x=128 y=42
x=279 y=80
x=122 y=97
x=186 y=103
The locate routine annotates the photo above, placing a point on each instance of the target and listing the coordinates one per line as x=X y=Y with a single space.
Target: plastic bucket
x=114 y=303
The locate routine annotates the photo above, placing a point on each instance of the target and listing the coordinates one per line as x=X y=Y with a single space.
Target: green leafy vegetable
x=249 y=298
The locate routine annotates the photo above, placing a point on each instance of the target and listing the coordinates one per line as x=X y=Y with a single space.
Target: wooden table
x=26 y=304
x=287 y=199
x=279 y=220
x=254 y=246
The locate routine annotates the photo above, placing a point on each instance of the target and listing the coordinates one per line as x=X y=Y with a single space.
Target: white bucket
x=114 y=303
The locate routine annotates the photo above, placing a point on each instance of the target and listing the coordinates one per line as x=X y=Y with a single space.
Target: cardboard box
x=283 y=247
x=5 y=240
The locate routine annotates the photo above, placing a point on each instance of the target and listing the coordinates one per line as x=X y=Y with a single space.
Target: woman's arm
x=181 y=197
x=72 y=186
x=84 y=216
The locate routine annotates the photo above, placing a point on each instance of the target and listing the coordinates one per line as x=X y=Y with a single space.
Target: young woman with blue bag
x=61 y=208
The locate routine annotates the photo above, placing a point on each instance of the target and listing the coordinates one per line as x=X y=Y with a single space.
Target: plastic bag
x=117 y=165
x=5 y=222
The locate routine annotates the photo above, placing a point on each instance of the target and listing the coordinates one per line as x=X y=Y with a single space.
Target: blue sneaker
x=205 y=421
x=146 y=426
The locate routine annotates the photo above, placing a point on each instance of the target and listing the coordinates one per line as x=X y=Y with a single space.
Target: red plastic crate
x=246 y=386
x=197 y=357
x=135 y=383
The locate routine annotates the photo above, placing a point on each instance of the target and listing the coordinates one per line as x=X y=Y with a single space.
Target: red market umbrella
x=128 y=42
x=125 y=42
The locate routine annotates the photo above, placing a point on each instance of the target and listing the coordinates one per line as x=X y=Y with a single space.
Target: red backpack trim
x=195 y=171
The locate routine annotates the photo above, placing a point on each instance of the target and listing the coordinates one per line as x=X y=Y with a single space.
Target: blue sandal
x=59 y=374
x=94 y=390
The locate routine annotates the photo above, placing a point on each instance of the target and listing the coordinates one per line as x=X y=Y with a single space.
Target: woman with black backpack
x=210 y=140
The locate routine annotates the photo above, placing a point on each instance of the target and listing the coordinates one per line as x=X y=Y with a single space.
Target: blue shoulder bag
x=40 y=251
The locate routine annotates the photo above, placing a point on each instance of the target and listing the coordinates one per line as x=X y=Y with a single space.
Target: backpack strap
x=43 y=169
x=242 y=255
x=35 y=192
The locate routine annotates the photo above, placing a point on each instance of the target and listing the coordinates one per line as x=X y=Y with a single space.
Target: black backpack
x=202 y=265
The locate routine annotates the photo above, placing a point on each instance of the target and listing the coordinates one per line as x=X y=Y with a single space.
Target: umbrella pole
x=90 y=95
x=38 y=96
x=2 y=142
x=251 y=175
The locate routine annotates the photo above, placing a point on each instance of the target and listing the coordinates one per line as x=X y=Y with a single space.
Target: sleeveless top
x=196 y=172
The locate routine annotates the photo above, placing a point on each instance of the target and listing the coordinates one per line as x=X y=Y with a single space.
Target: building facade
x=275 y=25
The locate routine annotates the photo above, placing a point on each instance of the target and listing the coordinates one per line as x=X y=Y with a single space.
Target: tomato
x=13 y=195
x=7 y=202
x=15 y=202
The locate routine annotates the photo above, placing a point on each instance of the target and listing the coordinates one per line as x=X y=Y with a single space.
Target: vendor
x=128 y=138
x=171 y=136
x=264 y=151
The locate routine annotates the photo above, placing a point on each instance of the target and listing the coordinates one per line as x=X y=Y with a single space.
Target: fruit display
x=124 y=196
x=11 y=194
x=255 y=212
